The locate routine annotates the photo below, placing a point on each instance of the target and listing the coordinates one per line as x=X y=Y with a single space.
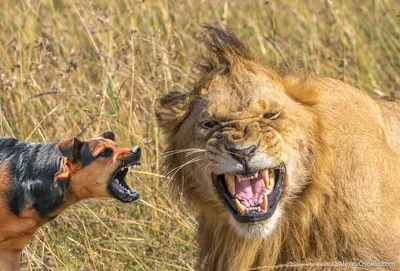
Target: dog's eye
x=209 y=124
x=106 y=153
x=271 y=116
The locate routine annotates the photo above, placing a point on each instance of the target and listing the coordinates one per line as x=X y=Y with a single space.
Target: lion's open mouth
x=118 y=186
x=252 y=198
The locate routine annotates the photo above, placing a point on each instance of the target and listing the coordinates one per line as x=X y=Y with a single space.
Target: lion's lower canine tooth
x=230 y=182
x=241 y=208
x=264 y=204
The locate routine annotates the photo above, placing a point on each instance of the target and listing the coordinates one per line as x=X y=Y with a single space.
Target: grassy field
x=71 y=67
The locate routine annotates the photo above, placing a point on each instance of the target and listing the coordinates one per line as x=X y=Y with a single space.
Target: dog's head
x=97 y=167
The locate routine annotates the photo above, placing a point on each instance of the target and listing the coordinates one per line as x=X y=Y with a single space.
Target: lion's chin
x=258 y=229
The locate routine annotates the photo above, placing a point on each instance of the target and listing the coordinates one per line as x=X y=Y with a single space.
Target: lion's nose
x=242 y=154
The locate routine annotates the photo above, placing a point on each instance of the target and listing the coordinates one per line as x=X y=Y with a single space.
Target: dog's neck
x=35 y=169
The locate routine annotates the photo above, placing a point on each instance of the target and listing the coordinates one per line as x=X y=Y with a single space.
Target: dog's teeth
x=241 y=208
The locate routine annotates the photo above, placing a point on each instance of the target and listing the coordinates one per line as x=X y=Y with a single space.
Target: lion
x=284 y=170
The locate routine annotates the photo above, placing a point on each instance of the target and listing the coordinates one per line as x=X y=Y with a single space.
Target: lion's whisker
x=176 y=169
x=188 y=150
x=193 y=152
x=206 y=167
x=182 y=150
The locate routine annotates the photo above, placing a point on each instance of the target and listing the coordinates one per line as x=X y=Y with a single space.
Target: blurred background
x=77 y=68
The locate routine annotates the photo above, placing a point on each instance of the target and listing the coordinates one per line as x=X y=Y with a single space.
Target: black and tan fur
x=39 y=180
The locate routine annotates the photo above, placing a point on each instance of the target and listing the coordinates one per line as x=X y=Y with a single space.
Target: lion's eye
x=209 y=124
x=271 y=116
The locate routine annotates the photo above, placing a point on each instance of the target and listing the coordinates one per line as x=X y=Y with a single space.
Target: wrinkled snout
x=241 y=141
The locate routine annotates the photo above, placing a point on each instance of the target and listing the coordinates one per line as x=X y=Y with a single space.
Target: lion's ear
x=171 y=109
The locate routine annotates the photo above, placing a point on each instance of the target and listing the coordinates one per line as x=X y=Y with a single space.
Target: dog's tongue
x=250 y=191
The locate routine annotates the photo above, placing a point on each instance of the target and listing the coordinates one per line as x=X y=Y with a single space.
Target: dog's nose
x=136 y=150
x=242 y=153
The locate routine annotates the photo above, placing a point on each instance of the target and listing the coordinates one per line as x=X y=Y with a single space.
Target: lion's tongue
x=251 y=191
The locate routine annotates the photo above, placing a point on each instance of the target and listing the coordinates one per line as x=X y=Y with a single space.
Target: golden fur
x=341 y=148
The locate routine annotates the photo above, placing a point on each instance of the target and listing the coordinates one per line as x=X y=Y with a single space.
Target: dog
x=39 y=180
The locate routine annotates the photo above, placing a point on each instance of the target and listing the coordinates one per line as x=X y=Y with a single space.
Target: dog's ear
x=70 y=148
x=108 y=135
x=171 y=109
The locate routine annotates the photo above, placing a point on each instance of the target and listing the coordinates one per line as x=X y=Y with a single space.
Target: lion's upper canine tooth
x=230 y=182
x=241 y=208
x=264 y=204
x=265 y=176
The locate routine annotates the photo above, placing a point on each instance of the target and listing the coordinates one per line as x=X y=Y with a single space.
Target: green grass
x=71 y=67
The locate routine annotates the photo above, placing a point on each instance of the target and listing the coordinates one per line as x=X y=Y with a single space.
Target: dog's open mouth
x=253 y=197
x=118 y=186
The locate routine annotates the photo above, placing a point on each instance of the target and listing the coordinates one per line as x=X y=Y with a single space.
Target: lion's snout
x=241 y=153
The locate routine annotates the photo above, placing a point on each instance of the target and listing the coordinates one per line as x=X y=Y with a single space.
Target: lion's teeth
x=241 y=208
x=264 y=204
x=230 y=182
x=241 y=178
x=265 y=176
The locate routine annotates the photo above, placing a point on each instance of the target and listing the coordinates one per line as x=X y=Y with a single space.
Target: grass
x=71 y=67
